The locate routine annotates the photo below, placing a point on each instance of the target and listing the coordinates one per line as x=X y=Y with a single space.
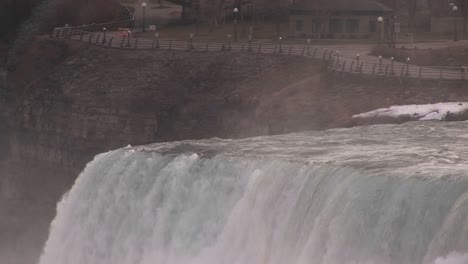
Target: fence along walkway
x=331 y=57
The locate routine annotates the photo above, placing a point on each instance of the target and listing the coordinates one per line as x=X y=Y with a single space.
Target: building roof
x=341 y=5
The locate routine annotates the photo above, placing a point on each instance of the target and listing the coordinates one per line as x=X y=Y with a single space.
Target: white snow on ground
x=421 y=112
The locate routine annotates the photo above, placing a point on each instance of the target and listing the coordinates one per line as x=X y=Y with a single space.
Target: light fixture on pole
x=104 y=32
x=229 y=42
x=381 y=28
x=236 y=10
x=143 y=5
x=157 y=39
x=280 y=39
x=455 y=29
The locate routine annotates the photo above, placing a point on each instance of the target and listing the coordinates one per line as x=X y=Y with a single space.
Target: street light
x=236 y=10
x=229 y=42
x=157 y=39
x=191 y=35
x=280 y=44
x=380 y=64
x=407 y=66
x=455 y=31
x=381 y=23
x=104 y=32
x=391 y=61
x=143 y=5
x=129 y=34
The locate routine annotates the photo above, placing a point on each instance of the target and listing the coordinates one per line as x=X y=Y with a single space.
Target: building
x=339 y=19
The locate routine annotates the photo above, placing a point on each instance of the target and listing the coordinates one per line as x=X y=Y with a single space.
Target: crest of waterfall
x=374 y=195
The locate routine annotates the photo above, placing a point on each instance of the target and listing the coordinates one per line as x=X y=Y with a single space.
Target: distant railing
x=397 y=69
x=330 y=57
x=126 y=41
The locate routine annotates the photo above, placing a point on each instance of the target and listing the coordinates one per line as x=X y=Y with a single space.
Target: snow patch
x=453 y=258
x=420 y=112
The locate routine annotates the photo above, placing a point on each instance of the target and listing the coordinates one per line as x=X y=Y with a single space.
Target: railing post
x=420 y=73
x=315 y=52
x=351 y=66
x=206 y=48
x=136 y=43
x=290 y=50
x=97 y=39
x=260 y=48
x=373 y=68
x=90 y=38
x=110 y=42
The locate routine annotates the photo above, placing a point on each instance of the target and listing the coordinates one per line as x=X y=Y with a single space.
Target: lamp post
x=358 y=58
x=104 y=33
x=250 y=42
x=407 y=66
x=280 y=39
x=236 y=10
x=455 y=30
x=157 y=39
x=391 y=62
x=129 y=34
x=143 y=26
x=191 y=40
x=381 y=27
x=380 y=64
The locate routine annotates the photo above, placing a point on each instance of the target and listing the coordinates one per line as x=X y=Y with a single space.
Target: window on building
x=372 y=26
x=335 y=26
x=352 y=26
x=299 y=25
x=316 y=26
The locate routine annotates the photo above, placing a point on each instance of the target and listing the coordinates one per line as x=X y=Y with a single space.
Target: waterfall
x=164 y=205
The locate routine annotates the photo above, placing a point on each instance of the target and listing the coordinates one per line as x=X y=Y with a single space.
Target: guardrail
x=130 y=43
x=396 y=69
x=330 y=57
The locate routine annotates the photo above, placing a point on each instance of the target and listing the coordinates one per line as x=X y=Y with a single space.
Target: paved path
x=340 y=58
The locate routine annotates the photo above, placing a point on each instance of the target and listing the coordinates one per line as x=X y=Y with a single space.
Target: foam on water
x=318 y=197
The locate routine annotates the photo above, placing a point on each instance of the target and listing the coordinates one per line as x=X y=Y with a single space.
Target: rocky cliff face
x=73 y=101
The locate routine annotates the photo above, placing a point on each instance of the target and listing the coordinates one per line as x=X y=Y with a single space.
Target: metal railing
x=334 y=62
x=396 y=69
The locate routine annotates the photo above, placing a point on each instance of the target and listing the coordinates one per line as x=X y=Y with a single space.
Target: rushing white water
x=380 y=194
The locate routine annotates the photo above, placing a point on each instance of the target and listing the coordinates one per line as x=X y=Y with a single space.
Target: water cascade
x=381 y=194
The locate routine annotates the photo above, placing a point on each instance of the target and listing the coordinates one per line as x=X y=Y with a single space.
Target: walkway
x=337 y=61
